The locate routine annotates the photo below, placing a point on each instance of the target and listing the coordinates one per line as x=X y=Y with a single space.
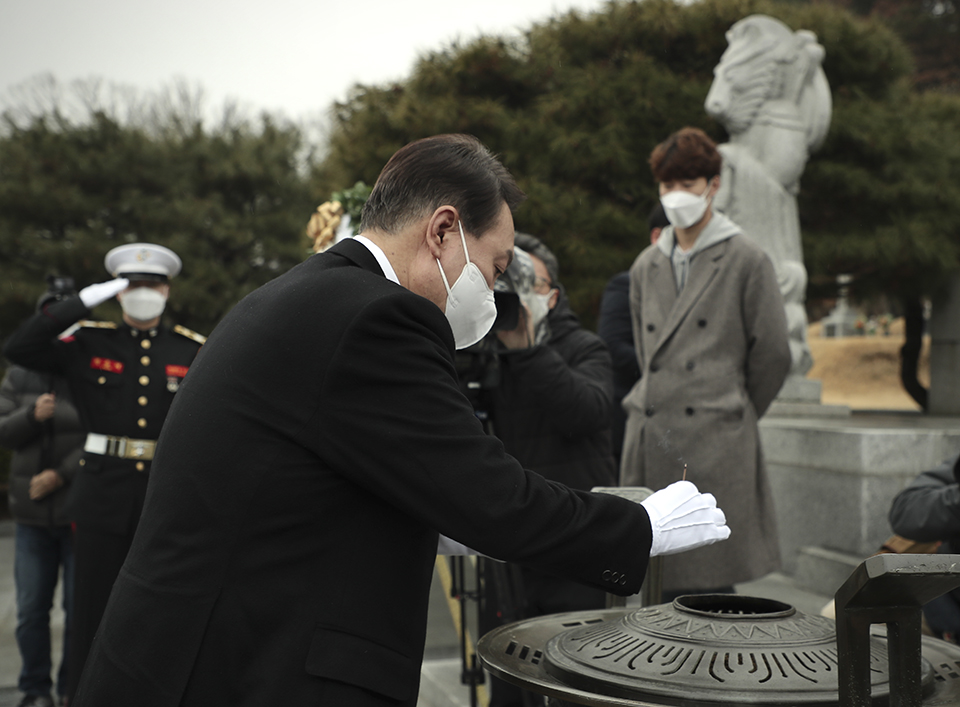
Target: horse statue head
x=771 y=76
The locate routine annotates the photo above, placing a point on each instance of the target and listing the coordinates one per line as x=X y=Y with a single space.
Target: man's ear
x=715 y=186
x=554 y=298
x=443 y=221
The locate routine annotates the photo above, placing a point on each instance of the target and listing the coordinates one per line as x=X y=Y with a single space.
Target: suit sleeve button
x=606 y=575
x=650 y=327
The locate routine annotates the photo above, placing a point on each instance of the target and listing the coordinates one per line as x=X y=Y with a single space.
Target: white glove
x=683 y=519
x=92 y=295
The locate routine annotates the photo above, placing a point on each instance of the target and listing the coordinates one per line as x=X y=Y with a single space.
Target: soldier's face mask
x=142 y=303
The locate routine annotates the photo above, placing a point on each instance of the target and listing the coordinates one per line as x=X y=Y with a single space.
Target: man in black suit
x=319 y=445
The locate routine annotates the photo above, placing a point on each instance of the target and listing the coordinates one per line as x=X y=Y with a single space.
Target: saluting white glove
x=683 y=519
x=92 y=295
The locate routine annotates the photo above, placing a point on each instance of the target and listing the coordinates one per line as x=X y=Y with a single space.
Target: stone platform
x=834 y=478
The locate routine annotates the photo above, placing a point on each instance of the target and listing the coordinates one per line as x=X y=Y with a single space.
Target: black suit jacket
x=318 y=445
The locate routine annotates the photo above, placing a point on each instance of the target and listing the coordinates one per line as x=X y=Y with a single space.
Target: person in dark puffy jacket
x=552 y=411
x=928 y=510
x=40 y=424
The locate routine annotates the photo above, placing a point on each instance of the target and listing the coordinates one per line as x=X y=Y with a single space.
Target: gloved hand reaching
x=92 y=295
x=683 y=519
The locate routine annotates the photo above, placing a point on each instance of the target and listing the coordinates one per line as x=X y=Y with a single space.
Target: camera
x=60 y=287
x=57 y=289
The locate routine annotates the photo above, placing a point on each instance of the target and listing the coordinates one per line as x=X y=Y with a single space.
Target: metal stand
x=888 y=589
x=471 y=673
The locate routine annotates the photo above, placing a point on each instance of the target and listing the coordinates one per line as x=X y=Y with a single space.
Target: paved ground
x=441 y=672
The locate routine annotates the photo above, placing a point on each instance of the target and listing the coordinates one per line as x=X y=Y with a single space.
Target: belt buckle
x=138 y=449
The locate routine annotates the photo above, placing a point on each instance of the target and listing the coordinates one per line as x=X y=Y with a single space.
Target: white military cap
x=142 y=259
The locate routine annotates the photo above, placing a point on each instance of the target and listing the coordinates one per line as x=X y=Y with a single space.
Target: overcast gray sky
x=289 y=56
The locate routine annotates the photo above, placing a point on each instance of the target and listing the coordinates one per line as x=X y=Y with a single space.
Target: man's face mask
x=142 y=303
x=684 y=209
x=471 y=309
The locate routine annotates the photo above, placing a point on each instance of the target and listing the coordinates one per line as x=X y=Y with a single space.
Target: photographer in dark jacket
x=40 y=424
x=551 y=410
x=928 y=510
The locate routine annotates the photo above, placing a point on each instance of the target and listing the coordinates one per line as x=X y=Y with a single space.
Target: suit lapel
x=664 y=284
x=703 y=269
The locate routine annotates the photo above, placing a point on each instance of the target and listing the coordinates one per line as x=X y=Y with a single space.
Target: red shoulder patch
x=177 y=371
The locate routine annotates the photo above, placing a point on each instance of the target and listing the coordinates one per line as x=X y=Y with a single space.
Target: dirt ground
x=864 y=371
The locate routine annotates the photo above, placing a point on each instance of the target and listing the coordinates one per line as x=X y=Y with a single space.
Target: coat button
x=650 y=327
x=142 y=422
x=141 y=466
x=690 y=365
x=142 y=400
x=83 y=462
x=101 y=380
x=649 y=411
x=654 y=368
x=145 y=360
x=701 y=322
x=689 y=411
x=146 y=344
x=144 y=380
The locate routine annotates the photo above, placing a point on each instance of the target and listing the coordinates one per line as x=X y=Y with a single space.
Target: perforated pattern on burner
x=767 y=654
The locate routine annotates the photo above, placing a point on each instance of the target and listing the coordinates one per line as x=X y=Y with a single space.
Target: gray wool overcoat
x=713 y=357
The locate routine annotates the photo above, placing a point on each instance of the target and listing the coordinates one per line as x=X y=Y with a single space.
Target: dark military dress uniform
x=123 y=381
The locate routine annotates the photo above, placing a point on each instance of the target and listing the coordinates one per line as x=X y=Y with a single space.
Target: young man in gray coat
x=711 y=340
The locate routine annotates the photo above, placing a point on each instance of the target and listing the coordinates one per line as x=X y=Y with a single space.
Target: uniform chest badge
x=174 y=375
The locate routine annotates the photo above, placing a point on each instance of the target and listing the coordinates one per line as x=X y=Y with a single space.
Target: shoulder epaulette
x=190 y=334
x=90 y=324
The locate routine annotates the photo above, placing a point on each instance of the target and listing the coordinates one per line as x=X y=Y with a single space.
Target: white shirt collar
x=381 y=257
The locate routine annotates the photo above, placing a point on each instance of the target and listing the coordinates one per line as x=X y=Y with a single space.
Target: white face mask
x=142 y=303
x=539 y=306
x=471 y=308
x=684 y=209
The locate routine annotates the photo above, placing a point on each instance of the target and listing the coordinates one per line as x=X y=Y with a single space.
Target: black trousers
x=98 y=557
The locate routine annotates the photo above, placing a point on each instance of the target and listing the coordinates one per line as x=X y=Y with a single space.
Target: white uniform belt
x=122 y=447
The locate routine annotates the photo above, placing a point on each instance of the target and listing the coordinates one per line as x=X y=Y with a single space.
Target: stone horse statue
x=771 y=94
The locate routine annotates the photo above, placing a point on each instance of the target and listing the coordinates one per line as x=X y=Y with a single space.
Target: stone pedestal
x=800 y=397
x=834 y=478
x=944 y=395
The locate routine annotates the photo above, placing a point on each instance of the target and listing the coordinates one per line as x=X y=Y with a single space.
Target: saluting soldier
x=123 y=378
